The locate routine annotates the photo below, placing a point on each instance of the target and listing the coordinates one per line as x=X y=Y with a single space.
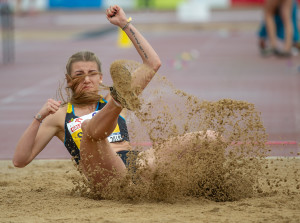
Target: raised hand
x=116 y=16
x=50 y=107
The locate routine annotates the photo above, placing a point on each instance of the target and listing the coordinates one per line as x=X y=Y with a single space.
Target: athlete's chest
x=73 y=126
x=74 y=123
x=79 y=112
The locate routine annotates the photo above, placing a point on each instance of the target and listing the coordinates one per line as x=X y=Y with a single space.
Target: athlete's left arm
x=150 y=58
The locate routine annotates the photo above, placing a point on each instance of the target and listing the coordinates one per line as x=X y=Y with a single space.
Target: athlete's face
x=89 y=74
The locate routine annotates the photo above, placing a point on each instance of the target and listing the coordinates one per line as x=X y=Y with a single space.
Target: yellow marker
x=123 y=40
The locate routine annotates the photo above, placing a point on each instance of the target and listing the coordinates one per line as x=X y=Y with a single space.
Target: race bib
x=74 y=127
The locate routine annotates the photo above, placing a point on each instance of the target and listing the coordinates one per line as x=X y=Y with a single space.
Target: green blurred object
x=144 y=3
x=158 y=4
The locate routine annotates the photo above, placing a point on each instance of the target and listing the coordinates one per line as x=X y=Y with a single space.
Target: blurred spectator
x=278 y=20
x=263 y=35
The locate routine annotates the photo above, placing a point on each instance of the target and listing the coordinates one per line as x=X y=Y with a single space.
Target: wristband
x=127 y=24
x=38 y=117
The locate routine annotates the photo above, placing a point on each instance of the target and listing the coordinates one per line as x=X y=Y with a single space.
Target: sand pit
x=41 y=192
x=211 y=165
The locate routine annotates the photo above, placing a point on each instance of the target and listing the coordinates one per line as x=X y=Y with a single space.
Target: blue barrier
x=74 y=4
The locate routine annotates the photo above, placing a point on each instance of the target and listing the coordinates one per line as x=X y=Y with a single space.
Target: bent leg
x=98 y=160
x=177 y=147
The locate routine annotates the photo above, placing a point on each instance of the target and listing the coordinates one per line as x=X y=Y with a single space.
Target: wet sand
x=42 y=192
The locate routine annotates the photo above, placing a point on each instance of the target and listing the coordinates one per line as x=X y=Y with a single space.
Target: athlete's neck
x=84 y=109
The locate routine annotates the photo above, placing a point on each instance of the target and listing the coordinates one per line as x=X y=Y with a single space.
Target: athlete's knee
x=91 y=133
x=88 y=131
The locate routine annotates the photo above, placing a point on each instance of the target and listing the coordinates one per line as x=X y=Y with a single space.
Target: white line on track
x=25 y=92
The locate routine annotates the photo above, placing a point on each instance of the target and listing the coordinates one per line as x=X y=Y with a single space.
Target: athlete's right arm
x=37 y=135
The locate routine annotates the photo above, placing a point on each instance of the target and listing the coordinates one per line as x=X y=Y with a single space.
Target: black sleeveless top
x=73 y=131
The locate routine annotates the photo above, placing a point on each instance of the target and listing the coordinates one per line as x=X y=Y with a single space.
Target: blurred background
x=208 y=48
